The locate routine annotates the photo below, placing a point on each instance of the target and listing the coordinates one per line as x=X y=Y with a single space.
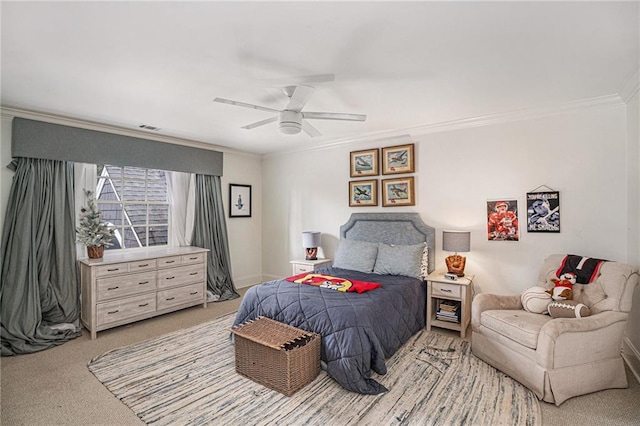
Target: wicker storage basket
x=276 y=355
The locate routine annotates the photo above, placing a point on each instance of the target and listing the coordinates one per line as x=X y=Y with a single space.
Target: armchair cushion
x=520 y=326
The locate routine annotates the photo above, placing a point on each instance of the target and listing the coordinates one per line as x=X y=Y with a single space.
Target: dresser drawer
x=169 y=262
x=123 y=309
x=447 y=290
x=110 y=288
x=188 y=259
x=178 y=296
x=180 y=275
x=143 y=265
x=112 y=269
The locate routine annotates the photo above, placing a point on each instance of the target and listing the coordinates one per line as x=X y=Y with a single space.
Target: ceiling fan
x=292 y=119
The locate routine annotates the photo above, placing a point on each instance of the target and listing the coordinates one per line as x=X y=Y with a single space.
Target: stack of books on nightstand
x=448 y=310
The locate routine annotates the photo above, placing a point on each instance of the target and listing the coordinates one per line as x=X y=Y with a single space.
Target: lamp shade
x=456 y=241
x=310 y=239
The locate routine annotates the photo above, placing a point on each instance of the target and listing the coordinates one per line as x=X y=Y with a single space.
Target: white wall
x=581 y=154
x=5 y=174
x=631 y=345
x=245 y=233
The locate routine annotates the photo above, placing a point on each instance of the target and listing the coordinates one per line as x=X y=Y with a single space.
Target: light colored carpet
x=188 y=377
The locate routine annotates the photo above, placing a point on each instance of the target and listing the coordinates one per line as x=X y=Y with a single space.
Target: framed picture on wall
x=398 y=192
x=239 y=200
x=398 y=159
x=363 y=193
x=364 y=163
x=543 y=211
x=502 y=220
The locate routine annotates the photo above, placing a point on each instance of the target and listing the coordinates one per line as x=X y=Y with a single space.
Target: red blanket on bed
x=333 y=283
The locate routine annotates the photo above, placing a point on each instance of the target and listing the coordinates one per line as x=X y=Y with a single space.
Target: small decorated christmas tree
x=92 y=232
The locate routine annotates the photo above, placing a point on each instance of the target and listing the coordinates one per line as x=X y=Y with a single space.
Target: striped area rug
x=188 y=377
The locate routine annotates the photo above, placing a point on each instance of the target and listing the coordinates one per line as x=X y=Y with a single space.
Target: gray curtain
x=210 y=232
x=39 y=294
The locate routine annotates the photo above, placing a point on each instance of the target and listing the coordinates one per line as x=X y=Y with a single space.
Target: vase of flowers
x=92 y=231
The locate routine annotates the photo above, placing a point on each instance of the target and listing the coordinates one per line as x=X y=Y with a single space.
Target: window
x=134 y=200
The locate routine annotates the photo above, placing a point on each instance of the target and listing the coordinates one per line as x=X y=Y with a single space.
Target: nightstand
x=449 y=302
x=300 y=266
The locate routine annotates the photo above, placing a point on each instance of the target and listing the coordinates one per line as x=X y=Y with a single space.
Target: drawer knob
x=143 y=282
x=113 y=288
x=193 y=258
x=195 y=292
x=113 y=270
x=170 y=298
x=169 y=278
x=193 y=273
x=143 y=266
x=170 y=261
x=113 y=312
x=445 y=290
x=143 y=305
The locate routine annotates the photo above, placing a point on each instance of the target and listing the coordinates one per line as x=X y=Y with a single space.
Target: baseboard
x=248 y=281
x=631 y=356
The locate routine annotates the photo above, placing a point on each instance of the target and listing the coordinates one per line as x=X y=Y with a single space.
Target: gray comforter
x=359 y=331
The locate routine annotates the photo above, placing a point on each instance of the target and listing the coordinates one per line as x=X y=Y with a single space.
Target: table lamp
x=310 y=242
x=456 y=241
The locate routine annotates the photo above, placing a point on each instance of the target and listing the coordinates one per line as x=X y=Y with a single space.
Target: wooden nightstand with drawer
x=300 y=266
x=449 y=302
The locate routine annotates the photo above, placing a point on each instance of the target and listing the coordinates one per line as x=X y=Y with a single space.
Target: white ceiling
x=404 y=65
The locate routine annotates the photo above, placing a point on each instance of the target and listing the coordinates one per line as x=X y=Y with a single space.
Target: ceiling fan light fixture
x=290 y=122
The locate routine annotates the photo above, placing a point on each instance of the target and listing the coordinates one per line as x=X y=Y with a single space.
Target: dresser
x=124 y=287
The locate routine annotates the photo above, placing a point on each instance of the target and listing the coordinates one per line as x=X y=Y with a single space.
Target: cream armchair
x=563 y=357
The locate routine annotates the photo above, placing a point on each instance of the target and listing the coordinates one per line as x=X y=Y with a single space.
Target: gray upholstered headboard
x=391 y=228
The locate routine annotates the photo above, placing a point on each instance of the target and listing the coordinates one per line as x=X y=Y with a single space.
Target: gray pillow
x=356 y=255
x=399 y=260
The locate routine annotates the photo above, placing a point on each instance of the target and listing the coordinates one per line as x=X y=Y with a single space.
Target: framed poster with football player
x=502 y=220
x=543 y=211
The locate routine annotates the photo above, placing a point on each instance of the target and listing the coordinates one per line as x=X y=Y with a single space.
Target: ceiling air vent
x=147 y=127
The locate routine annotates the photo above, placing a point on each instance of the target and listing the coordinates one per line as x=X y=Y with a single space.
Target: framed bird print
x=239 y=200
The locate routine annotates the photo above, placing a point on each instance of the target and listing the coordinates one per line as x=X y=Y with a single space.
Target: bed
x=359 y=330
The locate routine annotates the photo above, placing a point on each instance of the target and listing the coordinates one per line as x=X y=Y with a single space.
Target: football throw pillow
x=568 y=309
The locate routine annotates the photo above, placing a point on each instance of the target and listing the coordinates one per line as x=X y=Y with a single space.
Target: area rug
x=188 y=377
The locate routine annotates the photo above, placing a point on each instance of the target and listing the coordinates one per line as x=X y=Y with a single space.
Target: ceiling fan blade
x=300 y=79
x=299 y=98
x=309 y=129
x=260 y=123
x=334 y=116
x=242 y=104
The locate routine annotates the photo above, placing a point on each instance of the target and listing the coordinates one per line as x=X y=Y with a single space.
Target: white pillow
x=356 y=255
x=399 y=260
x=424 y=265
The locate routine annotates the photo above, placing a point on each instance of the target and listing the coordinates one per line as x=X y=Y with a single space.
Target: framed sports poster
x=543 y=211
x=502 y=220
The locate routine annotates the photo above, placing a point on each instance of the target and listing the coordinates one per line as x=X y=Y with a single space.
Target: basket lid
x=273 y=334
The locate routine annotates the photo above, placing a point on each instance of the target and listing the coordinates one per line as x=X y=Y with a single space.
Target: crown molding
x=630 y=87
x=10 y=112
x=607 y=101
